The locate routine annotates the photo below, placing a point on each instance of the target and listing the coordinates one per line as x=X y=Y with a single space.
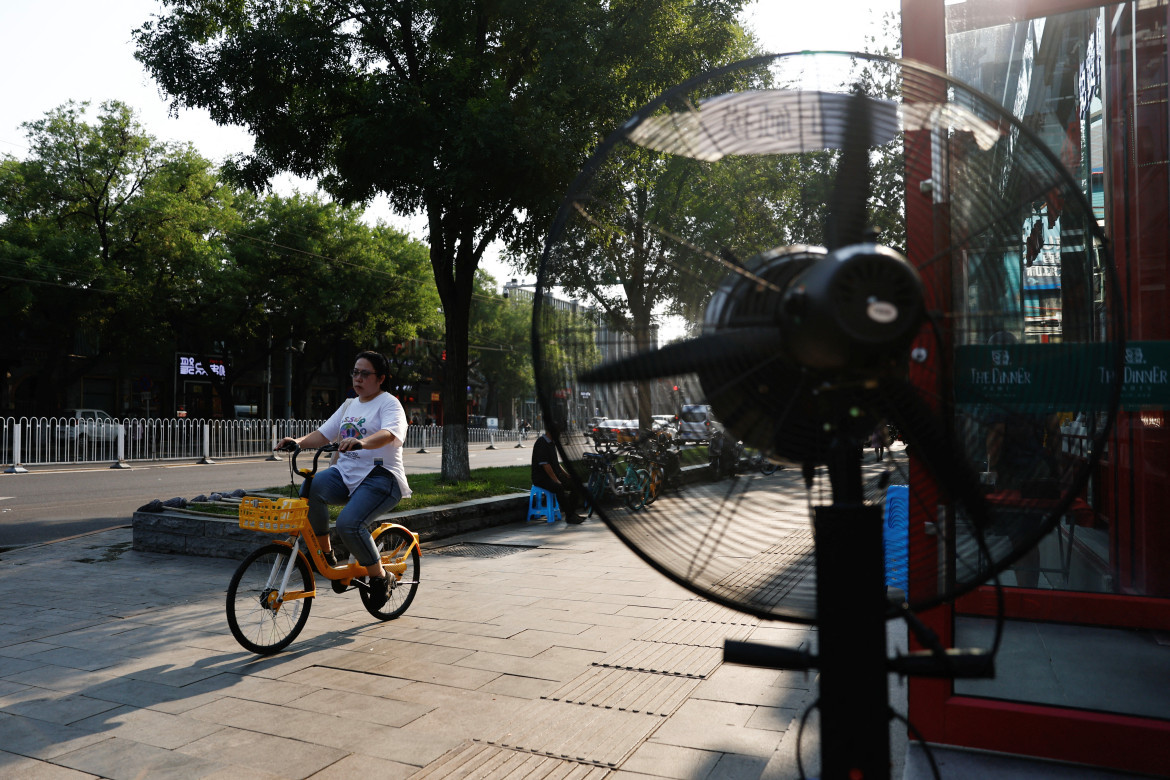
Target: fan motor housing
x=854 y=309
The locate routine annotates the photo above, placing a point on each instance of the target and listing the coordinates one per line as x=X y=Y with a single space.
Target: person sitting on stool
x=547 y=474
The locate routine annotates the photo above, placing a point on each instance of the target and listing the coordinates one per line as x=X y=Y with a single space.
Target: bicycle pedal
x=339 y=586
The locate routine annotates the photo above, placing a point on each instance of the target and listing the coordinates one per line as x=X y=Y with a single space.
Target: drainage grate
x=479 y=549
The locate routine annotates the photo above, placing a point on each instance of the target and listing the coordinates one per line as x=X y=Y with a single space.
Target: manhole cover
x=479 y=549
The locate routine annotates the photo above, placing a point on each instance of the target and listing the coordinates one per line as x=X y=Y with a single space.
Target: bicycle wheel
x=637 y=486
x=593 y=491
x=255 y=622
x=657 y=482
x=404 y=566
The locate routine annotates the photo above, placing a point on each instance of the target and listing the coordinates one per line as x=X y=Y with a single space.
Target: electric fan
x=741 y=242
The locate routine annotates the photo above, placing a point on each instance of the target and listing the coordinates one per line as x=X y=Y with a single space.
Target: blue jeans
x=377 y=493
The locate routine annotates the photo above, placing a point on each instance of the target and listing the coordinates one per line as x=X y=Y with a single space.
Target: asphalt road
x=50 y=503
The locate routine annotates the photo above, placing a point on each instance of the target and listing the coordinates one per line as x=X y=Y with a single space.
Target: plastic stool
x=543 y=503
x=896 y=537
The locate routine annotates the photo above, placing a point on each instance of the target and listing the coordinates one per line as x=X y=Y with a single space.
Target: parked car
x=600 y=431
x=86 y=425
x=624 y=431
x=666 y=424
x=696 y=424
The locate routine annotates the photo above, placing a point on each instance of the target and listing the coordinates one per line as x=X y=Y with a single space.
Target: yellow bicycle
x=271 y=592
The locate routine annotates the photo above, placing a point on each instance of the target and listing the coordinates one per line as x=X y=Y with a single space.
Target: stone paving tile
x=289 y=758
x=102 y=636
x=406 y=745
x=138 y=693
x=275 y=720
x=520 y=687
x=651 y=613
x=80 y=658
x=665 y=658
x=63 y=679
x=280 y=691
x=338 y=679
x=25 y=649
x=777 y=718
x=601 y=639
x=570 y=731
x=621 y=689
x=749 y=685
x=123 y=759
x=480 y=721
x=22 y=768
x=558 y=663
x=41 y=739
x=672 y=761
x=792 y=637
x=359 y=707
x=694 y=633
x=487 y=761
x=735 y=766
x=719 y=727
x=492 y=629
x=10 y=688
x=440 y=673
x=507 y=646
x=13 y=666
x=60 y=708
x=357 y=765
x=150 y=727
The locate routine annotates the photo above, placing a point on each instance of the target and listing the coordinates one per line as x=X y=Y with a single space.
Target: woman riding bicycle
x=368 y=478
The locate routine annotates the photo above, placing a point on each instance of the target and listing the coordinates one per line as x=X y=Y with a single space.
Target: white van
x=696 y=424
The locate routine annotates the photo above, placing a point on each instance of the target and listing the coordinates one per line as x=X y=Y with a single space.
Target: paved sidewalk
x=542 y=650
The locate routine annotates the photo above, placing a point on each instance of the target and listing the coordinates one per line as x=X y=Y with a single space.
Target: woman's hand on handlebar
x=350 y=443
x=287 y=444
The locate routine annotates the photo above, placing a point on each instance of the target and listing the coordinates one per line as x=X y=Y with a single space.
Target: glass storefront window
x=1092 y=84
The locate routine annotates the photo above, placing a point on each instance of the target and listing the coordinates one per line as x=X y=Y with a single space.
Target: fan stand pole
x=851 y=605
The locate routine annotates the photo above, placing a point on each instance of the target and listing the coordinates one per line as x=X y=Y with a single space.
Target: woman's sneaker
x=379 y=592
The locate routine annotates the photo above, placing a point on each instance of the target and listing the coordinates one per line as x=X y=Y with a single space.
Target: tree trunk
x=455 y=462
x=455 y=293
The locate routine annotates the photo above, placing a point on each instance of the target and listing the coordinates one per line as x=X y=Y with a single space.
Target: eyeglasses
x=357 y=372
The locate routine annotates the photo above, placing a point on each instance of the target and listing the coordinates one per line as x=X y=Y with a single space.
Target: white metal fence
x=36 y=441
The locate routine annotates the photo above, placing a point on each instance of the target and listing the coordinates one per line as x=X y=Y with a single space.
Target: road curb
x=182 y=532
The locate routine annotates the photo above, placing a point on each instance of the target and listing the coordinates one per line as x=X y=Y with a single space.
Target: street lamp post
x=290 y=348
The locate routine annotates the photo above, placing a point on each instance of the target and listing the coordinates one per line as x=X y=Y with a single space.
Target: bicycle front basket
x=282 y=516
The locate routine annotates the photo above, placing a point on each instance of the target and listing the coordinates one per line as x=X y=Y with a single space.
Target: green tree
x=500 y=344
x=653 y=234
x=106 y=236
x=305 y=269
x=475 y=113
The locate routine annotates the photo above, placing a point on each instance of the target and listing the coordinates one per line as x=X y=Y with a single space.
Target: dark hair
x=378 y=361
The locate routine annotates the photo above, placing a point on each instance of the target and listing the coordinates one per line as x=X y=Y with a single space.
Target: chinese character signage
x=194 y=367
x=1056 y=376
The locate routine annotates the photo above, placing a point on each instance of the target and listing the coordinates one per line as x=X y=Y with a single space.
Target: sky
x=53 y=51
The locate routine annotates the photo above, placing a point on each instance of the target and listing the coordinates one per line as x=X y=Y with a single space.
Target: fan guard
x=703 y=219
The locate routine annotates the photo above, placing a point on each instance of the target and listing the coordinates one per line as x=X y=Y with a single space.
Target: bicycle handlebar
x=295 y=450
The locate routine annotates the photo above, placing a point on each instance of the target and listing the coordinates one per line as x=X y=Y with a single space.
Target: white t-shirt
x=381 y=413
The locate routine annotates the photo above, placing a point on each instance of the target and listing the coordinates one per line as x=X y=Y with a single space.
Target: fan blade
x=713 y=352
x=847 y=221
x=925 y=433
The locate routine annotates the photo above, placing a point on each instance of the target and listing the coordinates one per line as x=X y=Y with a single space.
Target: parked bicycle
x=612 y=474
x=662 y=461
x=757 y=460
x=723 y=455
x=272 y=591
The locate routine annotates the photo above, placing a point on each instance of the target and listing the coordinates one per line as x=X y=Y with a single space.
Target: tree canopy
x=474 y=113
x=115 y=245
